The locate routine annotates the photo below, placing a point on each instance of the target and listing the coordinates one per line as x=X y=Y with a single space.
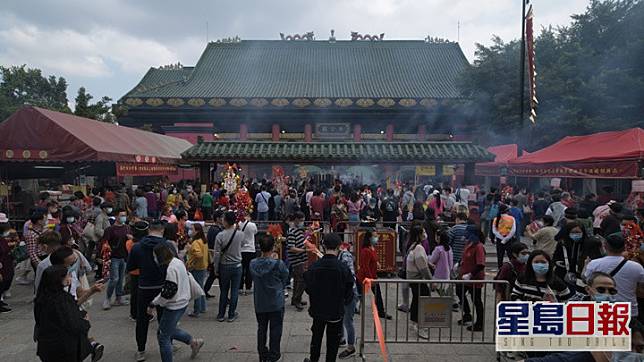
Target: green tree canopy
x=99 y=111
x=20 y=85
x=590 y=78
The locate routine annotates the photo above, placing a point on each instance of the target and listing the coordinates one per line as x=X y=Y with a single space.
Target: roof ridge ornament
x=332 y=37
x=357 y=36
x=176 y=66
x=309 y=36
x=437 y=40
x=235 y=39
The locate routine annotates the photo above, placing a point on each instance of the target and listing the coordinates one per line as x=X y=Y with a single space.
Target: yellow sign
x=448 y=170
x=426 y=170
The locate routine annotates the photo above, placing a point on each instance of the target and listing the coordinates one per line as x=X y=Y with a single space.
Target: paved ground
x=224 y=341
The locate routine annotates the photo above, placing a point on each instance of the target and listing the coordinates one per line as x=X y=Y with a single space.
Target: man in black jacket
x=151 y=279
x=329 y=285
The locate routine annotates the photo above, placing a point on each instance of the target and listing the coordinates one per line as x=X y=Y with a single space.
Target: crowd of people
x=153 y=245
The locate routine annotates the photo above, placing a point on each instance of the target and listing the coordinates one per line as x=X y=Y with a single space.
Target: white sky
x=107 y=45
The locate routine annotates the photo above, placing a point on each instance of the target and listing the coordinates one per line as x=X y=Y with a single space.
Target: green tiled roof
x=310 y=69
x=338 y=152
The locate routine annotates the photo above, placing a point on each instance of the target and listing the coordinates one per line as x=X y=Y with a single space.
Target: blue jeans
x=200 y=303
x=117 y=277
x=262 y=216
x=349 y=329
x=275 y=320
x=168 y=332
x=229 y=279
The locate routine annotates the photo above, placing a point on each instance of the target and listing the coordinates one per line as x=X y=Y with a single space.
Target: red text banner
x=625 y=169
x=144 y=169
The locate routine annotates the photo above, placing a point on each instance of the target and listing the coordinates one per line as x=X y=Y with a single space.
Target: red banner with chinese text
x=624 y=169
x=144 y=169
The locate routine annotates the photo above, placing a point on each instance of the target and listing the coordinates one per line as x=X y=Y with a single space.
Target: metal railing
x=440 y=317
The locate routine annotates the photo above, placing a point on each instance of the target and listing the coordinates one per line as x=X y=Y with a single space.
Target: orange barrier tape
x=376 y=320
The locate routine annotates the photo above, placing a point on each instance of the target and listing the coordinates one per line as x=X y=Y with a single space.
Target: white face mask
x=70 y=220
x=108 y=210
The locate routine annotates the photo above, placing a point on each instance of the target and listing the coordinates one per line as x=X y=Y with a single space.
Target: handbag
x=196 y=291
x=19 y=253
x=84 y=284
x=89 y=231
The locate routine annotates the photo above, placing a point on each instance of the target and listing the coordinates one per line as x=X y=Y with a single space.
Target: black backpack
x=389 y=205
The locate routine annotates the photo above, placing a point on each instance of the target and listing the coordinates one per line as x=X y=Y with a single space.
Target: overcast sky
x=107 y=45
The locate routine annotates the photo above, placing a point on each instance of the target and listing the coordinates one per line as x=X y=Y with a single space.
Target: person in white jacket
x=173 y=300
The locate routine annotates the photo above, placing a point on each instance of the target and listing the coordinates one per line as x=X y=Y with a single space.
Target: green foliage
x=20 y=85
x=590 y=78
x=99 y=111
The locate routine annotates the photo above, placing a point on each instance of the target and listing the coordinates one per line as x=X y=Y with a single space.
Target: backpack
x=389 y=205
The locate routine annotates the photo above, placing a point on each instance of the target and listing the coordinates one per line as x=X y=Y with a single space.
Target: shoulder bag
x=195 y=289
x=225 y=249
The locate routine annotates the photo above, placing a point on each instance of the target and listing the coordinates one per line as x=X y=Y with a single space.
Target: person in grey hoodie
x=270 y=278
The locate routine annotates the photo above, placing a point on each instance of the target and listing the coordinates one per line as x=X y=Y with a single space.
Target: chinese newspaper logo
x=573 y=326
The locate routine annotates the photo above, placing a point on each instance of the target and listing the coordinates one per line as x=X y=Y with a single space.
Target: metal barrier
x=436 y=312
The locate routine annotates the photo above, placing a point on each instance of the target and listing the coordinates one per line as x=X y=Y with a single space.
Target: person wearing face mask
x=68 y=230
x=417 y=267
x=539 y=283
x=627 y=274
x=102 y=221
x=510 y=270
x=297 y=258
x=368 y=268
x=116 y=236
x=77 y=266
x=601 y=288
x=62 y=329
x=197 y=252
x=568 y=265
x=472 y=268
x=151 y=280
x=634 y=355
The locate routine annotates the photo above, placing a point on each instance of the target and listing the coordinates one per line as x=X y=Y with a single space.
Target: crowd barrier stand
x=437 y=313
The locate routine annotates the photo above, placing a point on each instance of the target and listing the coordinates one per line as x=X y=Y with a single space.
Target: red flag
x=532 y=73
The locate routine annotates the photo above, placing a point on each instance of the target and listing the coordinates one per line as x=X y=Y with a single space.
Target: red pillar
x=422 y=132
x=389 y=133
x=357 y=132
x=308 y=133
x=275 y=132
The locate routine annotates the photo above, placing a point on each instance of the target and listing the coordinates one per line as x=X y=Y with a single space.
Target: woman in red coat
x=368 y=267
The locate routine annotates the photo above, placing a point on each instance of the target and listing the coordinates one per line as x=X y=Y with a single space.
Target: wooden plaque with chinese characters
x=386 y=248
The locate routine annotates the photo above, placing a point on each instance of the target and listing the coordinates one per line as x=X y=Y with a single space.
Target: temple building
x=302 y=90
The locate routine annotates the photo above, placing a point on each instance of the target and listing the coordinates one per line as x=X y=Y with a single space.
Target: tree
x=99 y=111
x=20 y=85
x=590 y=78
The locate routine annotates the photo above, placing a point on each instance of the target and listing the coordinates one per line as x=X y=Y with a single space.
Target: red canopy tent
x=503 y=154
x=38 y=135
x=616 y=154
